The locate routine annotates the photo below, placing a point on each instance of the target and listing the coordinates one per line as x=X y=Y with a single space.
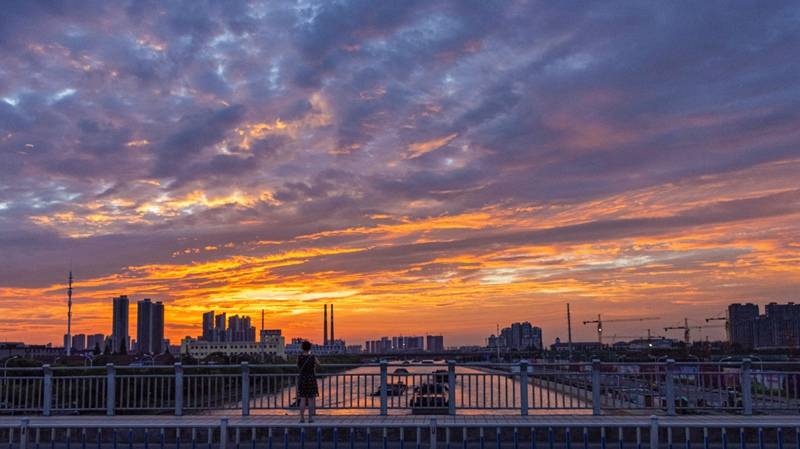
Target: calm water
x=354 y=391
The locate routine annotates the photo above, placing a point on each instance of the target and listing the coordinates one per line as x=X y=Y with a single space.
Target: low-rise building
x=19 y=349
x=270 y=345
x=332 y=348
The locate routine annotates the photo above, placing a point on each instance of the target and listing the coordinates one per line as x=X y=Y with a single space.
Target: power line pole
x=569 y=333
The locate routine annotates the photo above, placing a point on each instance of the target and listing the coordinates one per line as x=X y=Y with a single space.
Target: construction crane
x=727 y=327
x=615 y=337
x=687 y=330
x=599 y=321
x=649 y=337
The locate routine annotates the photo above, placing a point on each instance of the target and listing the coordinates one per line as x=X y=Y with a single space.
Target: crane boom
x=687 y=336
x=599 y=321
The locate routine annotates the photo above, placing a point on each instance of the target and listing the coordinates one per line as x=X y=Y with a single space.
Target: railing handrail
x=667 y=386
x=754 y=363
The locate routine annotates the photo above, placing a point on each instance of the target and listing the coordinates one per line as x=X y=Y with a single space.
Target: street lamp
x=5 y=365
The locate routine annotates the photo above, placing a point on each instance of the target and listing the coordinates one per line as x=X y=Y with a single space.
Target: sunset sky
x=426 y=166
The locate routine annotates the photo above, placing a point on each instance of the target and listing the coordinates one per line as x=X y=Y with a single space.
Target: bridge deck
x=576 y=421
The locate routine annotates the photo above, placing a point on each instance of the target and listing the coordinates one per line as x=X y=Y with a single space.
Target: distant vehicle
x=415 y=361
x=427 y=362
x=400 y=371
x=430 y=399
x=406 y=362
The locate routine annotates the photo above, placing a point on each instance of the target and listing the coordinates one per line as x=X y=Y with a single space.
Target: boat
x=392 y=389
x=441 y=376
x=430 y=399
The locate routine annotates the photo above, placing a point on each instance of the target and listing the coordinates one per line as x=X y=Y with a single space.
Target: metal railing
x=229 y=432
x=444 y=388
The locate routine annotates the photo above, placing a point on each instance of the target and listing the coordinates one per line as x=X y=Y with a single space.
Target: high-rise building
x=518 y=336
x=208 y=326
x=144 y=322
x=778 y=327
x=381 y=346
x=435 y=343
x=240 y=329
x=95 y=340
x=220 y=329
x=741 y=324
x=157 y=329
x=149 y=326
x=79 y=342
x=119 y=324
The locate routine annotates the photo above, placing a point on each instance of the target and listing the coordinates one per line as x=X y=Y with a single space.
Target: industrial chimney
x=333 y=337
x=325 y=324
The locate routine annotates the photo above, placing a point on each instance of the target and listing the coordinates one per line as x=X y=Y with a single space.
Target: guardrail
x=230 y=432
x=445 y=388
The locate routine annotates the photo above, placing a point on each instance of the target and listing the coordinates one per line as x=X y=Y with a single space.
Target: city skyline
x=428 y=167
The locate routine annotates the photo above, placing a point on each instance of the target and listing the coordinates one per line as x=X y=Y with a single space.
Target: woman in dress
x=307 y=390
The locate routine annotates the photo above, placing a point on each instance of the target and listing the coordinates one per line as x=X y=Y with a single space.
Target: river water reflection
x=478 y=391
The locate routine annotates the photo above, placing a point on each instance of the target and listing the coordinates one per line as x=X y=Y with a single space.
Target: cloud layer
x=457 y=163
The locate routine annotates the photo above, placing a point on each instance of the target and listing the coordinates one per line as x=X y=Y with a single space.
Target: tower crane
x=599 y=321
x=687 y=333
x=649 y=336
x=727 y=326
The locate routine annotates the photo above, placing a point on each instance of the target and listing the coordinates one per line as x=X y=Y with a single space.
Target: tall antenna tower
x=69 y=316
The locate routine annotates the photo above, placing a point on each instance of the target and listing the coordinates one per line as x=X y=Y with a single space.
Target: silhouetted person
x=307 y=390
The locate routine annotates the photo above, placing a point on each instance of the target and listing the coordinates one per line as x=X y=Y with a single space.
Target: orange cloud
x=416 y=150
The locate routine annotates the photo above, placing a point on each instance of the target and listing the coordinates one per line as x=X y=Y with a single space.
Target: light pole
x=5 y=365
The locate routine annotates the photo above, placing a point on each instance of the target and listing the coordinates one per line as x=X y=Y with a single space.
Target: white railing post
x=384 y=392
x=451 y=387
x=523 y=387
x=111 y=389
x=178 y=389
x=245 y=389
x=669 y=380
x=654 y=432
x=433 y=434
x=596 y=386
x=747 y=387
x=47 y=390
x=23 y=433
x=223 y=433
